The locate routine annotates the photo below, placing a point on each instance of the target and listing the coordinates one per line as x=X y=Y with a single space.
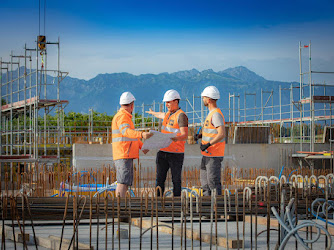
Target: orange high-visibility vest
x=170 y=125
x=208 y=133
x=125 y=140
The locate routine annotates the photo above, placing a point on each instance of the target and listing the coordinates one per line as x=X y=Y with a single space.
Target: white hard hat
x=126 y=98
x=171 y=95
x=211 y=92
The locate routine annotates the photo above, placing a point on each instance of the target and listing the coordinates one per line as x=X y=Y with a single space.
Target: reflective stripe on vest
x=172 y=130
x=208 y=133
x=170 y=125
x=123 y=127
x=207 y=139
x=123 y=147
x=118 y=139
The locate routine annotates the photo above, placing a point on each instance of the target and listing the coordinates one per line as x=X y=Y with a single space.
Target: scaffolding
x=29 y=92
x=28 y=96
x=311 y=99
x=307 y=97
x=266 y=113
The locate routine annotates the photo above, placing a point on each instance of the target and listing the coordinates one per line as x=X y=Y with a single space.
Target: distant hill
x=103 y=91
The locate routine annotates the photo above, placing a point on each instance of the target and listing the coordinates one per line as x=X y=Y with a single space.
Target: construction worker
x=125 y=143
x=213 y=143
x=171 y=157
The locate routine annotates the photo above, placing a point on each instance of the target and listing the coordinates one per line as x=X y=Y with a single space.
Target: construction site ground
x=44 y=230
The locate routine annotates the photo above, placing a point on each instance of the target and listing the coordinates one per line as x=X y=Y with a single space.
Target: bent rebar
x=291 y=228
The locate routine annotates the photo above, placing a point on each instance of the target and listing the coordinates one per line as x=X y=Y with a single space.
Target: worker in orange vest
x=125 y=143
x=171 y=157
x=213 y=143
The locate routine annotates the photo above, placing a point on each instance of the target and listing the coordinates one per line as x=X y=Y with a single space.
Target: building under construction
x=58 y=183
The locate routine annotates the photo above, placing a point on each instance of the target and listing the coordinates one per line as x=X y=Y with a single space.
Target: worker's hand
x=205 y=146
x=145 y=151
x=174 y=139
x=197 y=136
x=151 y=112
x=147 y=135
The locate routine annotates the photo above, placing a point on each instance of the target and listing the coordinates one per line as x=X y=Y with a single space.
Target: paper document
x=158 y=140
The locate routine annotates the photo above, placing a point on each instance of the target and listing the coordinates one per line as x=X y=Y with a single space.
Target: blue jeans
x=174 y=161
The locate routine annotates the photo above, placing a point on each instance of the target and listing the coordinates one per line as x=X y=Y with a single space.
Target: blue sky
x=167 y=36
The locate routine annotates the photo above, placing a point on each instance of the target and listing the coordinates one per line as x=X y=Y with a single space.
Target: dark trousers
x=210 y=174
x=166 y=161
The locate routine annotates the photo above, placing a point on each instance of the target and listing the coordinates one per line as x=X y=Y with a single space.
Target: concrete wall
x=86 y=156
x=266 y=155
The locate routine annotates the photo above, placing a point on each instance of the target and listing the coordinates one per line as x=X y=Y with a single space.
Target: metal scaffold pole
x=262 y=109
x=229 y=107
x=245 y=107
x=153 y=117
x=330 y=136
x=233 y=108
x=31 y=140
x=11 y=101
x=272 y=104
x=291 y=112
x=280 y=114
x=43 y=73
x=300 y=97
x=36 y=108
x=59 y=108
x=1 y=124
x=25 y=102
x=311 y=104
x=238 y=108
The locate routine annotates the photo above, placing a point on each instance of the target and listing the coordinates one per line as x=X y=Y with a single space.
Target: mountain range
x=102 y=92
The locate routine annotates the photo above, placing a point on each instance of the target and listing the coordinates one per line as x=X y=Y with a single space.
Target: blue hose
x=319 y=218
x=291 y=174
x=91 y=175
x=323 y=191
x=280 y=174
x=132 y=193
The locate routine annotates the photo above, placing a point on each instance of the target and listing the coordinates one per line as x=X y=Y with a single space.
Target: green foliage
x=73 y=121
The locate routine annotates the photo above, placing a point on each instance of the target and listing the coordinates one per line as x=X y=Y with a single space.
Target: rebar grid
x=249 y=205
